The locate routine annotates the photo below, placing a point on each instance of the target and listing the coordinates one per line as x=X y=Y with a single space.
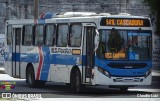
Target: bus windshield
x=124 y=44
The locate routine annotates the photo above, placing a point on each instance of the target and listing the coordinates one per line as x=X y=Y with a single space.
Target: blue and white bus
x=80 y=48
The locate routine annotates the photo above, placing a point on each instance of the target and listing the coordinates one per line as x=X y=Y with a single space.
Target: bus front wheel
x=76 y=82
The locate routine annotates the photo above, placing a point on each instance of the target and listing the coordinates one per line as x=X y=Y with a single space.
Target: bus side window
x=9 y=35
x=27 y=35
x=49 y=35
x=63 y=30
x=75 y=35
x=38 y=32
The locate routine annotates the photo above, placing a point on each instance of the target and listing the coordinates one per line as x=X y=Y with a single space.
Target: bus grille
x=127 y=79
x=127 y=65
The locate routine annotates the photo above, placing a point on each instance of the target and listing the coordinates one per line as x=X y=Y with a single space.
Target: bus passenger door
x=17 y=33
x=88 y=52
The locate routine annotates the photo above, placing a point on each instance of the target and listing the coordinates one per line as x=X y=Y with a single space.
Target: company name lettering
x=60 y=50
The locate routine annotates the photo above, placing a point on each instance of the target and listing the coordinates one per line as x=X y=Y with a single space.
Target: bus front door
x=17 y=31
x=89 y=51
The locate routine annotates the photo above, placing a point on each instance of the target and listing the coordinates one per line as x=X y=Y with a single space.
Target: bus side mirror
x=96 y=40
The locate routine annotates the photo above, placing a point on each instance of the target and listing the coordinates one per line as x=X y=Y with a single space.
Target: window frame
x=34 y=34
x=54 y=34
x=57 y=34
x=69 y=40
x=23 y=35
x=9 y=44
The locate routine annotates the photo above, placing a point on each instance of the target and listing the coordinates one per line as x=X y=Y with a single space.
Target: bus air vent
x=127 y=65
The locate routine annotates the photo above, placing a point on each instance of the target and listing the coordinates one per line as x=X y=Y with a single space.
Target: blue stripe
x=49 y=58
x=58 y=59
x=41 y=21
x=16 y=57
x=29 y=57
x=46 y=64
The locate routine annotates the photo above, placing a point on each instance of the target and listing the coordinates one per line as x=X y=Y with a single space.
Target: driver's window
x=115 y=41
x=112 y=44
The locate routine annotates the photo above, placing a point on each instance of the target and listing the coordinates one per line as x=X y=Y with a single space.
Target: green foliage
x=154 y=5
x=155 y=8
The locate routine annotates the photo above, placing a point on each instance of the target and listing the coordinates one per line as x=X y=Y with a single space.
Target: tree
x=155 y=9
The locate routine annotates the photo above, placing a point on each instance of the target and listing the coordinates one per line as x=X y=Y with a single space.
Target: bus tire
x=30 y=76
x=68 y=85
x=76 y=82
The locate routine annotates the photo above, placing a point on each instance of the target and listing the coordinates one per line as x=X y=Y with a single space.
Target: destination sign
x=127 y=22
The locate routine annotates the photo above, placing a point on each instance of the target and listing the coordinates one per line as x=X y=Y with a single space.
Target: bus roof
x=73 y=16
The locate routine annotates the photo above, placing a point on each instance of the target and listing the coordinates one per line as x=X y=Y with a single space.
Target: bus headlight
x=103 y=71
x=148 y=73
x=106 y=73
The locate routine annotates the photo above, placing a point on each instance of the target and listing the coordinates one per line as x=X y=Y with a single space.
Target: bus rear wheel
x=30 y=76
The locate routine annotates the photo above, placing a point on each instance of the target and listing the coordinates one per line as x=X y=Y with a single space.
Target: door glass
x=90 y=34
x=18 y=35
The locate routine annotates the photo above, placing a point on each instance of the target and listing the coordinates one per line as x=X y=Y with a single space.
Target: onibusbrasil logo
x=7 y=85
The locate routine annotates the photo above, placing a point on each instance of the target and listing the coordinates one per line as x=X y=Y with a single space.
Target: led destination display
x=127 y=22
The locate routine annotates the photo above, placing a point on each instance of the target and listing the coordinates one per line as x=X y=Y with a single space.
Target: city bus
x=80 y=49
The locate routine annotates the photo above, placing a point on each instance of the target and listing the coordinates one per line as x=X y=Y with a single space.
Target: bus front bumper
x=101 y=79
